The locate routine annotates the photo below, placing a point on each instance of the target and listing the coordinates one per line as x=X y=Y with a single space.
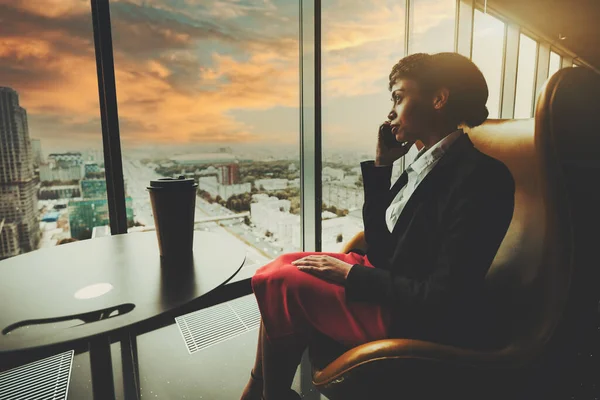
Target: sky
x=192 y=74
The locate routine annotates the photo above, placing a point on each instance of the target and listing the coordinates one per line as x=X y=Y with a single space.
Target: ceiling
x=577 y=20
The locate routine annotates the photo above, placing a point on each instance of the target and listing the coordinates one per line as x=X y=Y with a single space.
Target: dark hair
x=465 y=82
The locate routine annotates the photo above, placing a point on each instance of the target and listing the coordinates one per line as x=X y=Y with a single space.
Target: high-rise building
x=18 y=196
x=229 y=174
x=86 y=214
x=63 y=160
x=67 y=173
x=92 y=210
x=36 y=151
x=93 y=188
x=90 y=168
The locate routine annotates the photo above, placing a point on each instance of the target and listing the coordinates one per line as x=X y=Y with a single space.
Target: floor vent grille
x=43 y=379
x=204 y=328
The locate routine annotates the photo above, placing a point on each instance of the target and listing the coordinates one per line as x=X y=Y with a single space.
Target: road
x=259 y=249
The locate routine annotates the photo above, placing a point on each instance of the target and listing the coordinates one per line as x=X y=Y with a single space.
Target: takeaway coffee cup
x=173 y=205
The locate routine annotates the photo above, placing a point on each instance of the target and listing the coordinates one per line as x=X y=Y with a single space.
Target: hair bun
x=476 y=116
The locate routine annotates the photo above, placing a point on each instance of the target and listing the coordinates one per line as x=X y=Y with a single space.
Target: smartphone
x=389 y=139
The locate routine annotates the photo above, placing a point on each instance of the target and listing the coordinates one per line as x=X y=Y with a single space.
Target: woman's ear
x=440 y=98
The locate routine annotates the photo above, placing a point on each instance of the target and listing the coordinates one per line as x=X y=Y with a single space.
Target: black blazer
x=430 y=270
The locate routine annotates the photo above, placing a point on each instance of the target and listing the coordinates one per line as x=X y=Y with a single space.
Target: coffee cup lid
x=180 y=182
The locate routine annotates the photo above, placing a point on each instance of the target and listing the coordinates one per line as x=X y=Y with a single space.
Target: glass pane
x=525 y=77
x=50 y=132
x=210 y=90
x=362 y=40
x=432 y=24
x=554 y=65
x=488 y=51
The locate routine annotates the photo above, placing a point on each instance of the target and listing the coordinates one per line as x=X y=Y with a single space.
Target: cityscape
x=57 y=198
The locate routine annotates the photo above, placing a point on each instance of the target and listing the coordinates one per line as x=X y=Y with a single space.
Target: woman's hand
x=388 y=150
x=324 y=267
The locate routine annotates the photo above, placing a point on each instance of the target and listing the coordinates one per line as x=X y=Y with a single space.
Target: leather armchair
x=532 y=279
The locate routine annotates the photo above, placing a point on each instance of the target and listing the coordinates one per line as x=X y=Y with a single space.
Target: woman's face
x=412 y=113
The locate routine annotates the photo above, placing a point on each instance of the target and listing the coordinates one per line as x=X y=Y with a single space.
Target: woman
x=431 y=237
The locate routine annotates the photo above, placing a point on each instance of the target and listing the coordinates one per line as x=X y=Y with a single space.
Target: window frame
x=560 y=57
x=111 y=138
x=525 y=33
x=504 y=47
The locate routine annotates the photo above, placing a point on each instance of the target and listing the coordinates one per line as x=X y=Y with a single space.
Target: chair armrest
x=410 y=349
x=357 y=242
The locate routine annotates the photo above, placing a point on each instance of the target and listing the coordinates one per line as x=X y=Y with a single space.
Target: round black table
x=89 y=289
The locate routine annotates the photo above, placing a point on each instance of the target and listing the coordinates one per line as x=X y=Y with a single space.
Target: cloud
x=429 y=14
x=165 y=94
x=53 y=8
x=185 y=69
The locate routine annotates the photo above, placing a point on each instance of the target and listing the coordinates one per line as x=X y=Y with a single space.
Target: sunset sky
x=193 y=73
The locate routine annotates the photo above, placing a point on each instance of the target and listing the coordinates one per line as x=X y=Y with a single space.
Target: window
x=488 y=52
x=432 y=24
x=361 y=43
x=525 y=77
x=555 y=61
x=212 y=93
x=50 y=132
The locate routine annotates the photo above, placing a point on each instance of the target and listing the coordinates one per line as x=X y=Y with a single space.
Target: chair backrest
x=531 y=275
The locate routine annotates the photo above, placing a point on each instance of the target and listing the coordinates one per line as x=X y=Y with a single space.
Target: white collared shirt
x=423 y=163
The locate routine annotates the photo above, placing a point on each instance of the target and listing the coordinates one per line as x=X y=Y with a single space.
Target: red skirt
x=294 y=302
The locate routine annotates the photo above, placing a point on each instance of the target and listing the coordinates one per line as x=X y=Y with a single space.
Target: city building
x=342 y=196
x=210 y=184
x=226 y=191
x=9 y=239
x=90 y=167
x=59 y=192
x=271 y=184
x=36 y=150
x=268 y=213
x=65 y=159
x=86 y=214
x=338 y=231
x=101 y=231
x=258 y=197
x=49 y=173
x=20 y=231
x=334 y=174
x=229 y=174
x=93 y=188
x=272 y=214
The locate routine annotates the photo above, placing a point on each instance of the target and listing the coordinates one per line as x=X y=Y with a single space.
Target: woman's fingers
x=307 y=262
x=308 y=259
x=313 y=270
